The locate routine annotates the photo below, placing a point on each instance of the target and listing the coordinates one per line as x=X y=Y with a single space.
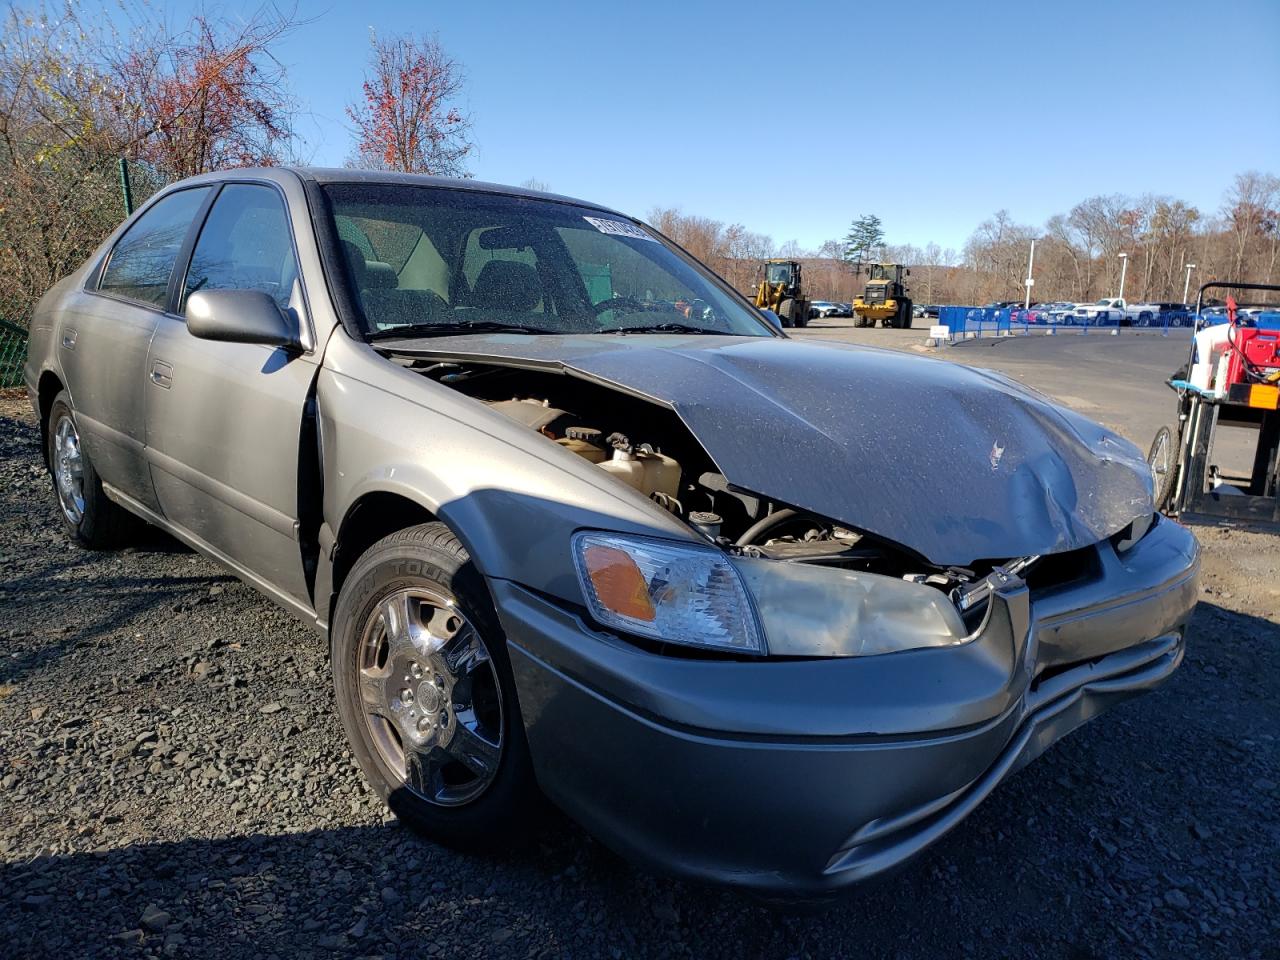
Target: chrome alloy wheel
x=430 y=696
x=68 y=469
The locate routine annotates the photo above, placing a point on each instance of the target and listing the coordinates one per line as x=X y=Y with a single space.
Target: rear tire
x=447 y=753
x=90 y=519
x=1162 y=458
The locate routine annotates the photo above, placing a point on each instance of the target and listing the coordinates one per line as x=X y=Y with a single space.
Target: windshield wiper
x=665 y=328
x=414 y=330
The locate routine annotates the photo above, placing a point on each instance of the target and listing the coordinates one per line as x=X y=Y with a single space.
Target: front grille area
x=1061 y=569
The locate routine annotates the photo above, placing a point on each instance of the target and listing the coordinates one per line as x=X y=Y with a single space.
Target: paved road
x=1118 y=380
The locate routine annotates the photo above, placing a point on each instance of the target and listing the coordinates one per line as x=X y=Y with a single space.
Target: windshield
x=881 y=272
x=427 y=259
x=778 y=273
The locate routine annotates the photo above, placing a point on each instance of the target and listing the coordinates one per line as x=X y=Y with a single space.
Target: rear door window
x=245 y=244
x=143 y=259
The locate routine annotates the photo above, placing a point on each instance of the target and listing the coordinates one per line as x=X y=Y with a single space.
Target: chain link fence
x=13 y=353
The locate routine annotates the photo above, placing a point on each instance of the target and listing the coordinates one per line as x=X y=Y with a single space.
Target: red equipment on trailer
x=1232 y=378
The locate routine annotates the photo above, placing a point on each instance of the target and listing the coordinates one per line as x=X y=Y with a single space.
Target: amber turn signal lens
x=619 y=584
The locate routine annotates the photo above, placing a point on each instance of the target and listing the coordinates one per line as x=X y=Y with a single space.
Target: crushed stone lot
x=174 y=782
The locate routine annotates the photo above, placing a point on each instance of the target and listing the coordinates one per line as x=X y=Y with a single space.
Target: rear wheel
x=1162 y=459
x=88 y=516
x=425 y=691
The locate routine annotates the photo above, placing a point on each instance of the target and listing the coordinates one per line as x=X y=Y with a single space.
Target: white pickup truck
x=1115 y=310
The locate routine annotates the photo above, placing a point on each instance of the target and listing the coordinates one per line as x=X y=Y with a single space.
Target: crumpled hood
x=955 y=463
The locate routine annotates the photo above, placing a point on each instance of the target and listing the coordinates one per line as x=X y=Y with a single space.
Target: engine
x=653 y=473
x=648 y=448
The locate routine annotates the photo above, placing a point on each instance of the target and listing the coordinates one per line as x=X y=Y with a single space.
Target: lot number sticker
x=618 y=228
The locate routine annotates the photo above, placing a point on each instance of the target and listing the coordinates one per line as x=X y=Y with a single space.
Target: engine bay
x=646 y=446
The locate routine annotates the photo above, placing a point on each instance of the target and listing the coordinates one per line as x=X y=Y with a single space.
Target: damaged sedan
x=578 y=521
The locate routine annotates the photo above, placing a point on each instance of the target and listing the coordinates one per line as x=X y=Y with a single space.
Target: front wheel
x=425 y=691
x=1162 y=459
x=88 y=516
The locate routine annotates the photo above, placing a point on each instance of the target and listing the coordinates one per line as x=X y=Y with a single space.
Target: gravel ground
x=174 y=782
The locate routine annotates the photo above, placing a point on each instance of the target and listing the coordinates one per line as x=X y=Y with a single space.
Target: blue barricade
x=978 y=322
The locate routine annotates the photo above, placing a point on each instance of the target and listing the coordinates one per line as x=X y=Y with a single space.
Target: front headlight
x=666 y=591
x=812 y=611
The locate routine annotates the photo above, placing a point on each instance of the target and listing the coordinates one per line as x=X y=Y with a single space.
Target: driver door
x=225 y=420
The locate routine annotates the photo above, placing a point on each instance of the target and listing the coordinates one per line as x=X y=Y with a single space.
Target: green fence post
x=125 y=187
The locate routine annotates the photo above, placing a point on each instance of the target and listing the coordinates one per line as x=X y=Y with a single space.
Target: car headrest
x=507 y=285
x=380 y=276
x=356 y=263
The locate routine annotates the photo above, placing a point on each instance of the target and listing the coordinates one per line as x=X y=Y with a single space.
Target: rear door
x=105 y=333
x=225 y=420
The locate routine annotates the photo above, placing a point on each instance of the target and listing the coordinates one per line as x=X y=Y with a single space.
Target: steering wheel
x=614 y=303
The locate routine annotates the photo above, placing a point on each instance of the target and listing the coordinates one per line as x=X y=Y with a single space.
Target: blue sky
x=777 y=115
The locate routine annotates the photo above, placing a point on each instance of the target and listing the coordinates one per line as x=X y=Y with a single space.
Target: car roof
x=326 y=175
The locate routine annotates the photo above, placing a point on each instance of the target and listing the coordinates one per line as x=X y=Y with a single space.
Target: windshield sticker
x=619 y=229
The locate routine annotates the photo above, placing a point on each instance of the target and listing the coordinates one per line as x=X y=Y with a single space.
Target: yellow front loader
x=884 y=301
x=779 y=290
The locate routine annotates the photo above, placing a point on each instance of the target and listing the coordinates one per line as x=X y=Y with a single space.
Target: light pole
x=1124 y=266
x=1031 y=281
x=1186 y=287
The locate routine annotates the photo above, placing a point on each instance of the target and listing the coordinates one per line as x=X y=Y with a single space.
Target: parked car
x=932 y=310
x=1053 y=312
x=604 y=532
x=823 y=308
x=1108 y=311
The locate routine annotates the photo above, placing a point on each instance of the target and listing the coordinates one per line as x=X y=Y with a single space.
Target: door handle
x=161 y=374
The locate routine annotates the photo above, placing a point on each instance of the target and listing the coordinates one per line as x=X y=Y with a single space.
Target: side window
x=245 y=244
x=143 y=258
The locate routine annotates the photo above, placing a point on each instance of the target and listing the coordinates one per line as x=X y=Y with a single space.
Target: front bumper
x=880 y=310
x=801 y=777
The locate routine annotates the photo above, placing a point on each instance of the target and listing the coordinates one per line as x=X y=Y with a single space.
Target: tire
x=474 y=786
x=787 y=311
x=905 y=317
x=88 y=516
x=1162 y=458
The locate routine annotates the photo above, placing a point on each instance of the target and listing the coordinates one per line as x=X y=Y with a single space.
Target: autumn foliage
x=209 y=103
x=406 y=119
x=79 y=92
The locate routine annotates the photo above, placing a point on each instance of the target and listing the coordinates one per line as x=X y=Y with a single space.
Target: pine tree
x=865 y=235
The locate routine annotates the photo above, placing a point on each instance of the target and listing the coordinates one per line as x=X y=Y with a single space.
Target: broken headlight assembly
x=815 y=611
x=702 y=597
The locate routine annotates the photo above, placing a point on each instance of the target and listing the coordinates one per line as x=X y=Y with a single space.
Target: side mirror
x=773 y=319
x=241 y=316
x=908 y=272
